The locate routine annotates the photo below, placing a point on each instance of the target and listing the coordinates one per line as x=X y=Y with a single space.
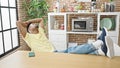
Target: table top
x=20 y=59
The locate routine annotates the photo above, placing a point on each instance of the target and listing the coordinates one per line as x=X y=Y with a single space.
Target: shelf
x=57 y=30
x=101 y=13
x=81 y=32
x=109 y=13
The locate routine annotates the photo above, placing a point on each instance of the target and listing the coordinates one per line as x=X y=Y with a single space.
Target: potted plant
x=111 y=0
x=36 y=9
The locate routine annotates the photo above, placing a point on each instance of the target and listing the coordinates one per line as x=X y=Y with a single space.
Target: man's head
x=32 y=28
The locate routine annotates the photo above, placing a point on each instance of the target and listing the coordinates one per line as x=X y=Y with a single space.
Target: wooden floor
x=20 y=59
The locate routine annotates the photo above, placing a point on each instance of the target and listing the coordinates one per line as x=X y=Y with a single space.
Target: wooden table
x=20 y=59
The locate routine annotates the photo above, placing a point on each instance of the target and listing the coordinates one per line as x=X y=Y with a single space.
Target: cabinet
x=57 y=30
x=110 y=20
x=60 y=33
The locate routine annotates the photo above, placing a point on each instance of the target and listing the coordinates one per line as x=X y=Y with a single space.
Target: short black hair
x=28 y=27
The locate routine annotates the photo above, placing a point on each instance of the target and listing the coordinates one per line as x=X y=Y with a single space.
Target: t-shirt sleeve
x=27 y=39
x=41 y=30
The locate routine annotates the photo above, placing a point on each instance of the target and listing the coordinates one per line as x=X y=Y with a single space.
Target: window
x=8 y=30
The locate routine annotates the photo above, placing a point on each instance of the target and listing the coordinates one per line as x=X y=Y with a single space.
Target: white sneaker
x=97 y=44
x=100 y=52
x=110 y=47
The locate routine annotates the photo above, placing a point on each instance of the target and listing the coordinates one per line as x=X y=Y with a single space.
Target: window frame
x=10 y=29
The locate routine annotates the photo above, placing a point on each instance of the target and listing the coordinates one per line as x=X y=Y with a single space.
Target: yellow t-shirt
x=39 y=42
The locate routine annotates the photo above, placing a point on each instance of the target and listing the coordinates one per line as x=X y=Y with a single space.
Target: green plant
x=35 y=8
x=111 y=0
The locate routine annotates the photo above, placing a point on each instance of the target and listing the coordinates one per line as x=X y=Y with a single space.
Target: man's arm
x=22 y=27
x=37 y=20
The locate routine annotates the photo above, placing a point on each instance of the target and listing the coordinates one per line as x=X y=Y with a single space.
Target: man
x=35 y=37
x=33 y=33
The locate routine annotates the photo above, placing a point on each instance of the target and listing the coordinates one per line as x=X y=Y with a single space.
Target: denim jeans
x=81 y=49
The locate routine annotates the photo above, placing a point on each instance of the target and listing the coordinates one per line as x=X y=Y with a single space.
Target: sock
x=100 y=52
x=97 y=44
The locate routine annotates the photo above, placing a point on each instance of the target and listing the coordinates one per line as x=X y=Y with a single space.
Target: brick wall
x=22 y=16
x=70 y=3
x=80 y=38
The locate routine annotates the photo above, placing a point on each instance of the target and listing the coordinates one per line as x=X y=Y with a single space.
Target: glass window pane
x=7 y=40
x=5 y=18
x=15 y=37
x=4 y=2
x=13 y=17
x=1 y=44
x=12 y=3
x=0 y=24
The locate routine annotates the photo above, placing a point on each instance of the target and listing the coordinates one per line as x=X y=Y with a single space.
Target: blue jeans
x=81 y=49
